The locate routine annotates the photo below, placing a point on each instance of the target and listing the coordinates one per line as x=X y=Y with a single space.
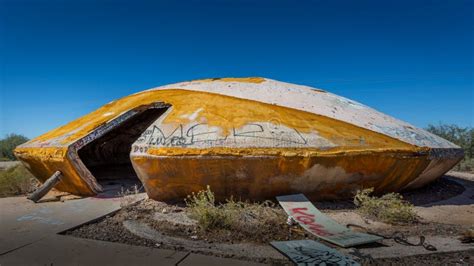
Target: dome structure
x=251 y=138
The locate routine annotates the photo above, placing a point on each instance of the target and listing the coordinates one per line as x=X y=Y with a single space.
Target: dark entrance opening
x=108 y=157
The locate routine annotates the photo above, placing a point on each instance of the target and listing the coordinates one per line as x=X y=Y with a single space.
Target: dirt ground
x=453 y=258
x=160 y=225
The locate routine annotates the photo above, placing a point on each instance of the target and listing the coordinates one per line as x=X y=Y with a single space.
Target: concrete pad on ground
x=455 y=210
x=23 y=222
x=66 y=250
x=448 y=214
x=392 y=249
x=465 y=198
x=197 y=259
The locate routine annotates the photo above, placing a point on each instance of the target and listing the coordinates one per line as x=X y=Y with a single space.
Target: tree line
x=461 y=136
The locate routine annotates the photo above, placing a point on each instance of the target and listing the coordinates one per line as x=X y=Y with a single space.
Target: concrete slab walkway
x=67 y=250
x=24 y=222
x=29 y=236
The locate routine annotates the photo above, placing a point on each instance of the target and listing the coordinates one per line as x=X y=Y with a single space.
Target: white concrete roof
x=319 y=102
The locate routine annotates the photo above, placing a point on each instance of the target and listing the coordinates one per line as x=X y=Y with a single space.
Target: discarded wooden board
x=310 y=252
x=303 y=211
x=45 y=187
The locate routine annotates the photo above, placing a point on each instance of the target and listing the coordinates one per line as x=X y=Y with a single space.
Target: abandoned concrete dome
x=252 y=138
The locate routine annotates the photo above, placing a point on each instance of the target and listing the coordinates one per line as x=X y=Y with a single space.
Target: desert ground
x=125 y=216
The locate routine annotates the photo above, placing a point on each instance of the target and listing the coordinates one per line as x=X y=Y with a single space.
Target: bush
x=390 y=208
x=8 y=144
x=203 y=208
x=16 y=180
x=241 y=218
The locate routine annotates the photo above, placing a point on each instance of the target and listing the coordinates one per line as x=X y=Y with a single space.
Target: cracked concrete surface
x=29 y=236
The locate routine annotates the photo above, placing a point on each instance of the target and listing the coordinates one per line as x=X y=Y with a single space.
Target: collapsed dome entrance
x=108 y=157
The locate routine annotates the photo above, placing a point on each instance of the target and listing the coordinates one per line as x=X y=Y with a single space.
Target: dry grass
x=202 y=208
x=15 y=181
x=245 y=219
x=390 y=208
x=125 y=194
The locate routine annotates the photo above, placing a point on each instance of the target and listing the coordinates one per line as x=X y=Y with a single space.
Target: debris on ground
x=310 y=252
x=311 y=219
x=55 y=195
x=175 y=226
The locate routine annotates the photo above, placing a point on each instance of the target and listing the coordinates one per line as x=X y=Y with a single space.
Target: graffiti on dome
x=203 y=135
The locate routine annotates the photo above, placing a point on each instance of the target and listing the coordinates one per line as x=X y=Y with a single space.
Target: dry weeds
x=242 y=219
x=16 y=180
x=390 y=208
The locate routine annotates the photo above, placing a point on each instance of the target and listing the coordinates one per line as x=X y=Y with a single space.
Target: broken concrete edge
x=111 y=213
x=73 y=149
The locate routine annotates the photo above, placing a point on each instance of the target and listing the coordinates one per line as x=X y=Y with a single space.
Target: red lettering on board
x=309 y=220
x=300 y=210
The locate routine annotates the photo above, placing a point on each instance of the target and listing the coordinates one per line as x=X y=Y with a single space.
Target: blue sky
x=62 y=59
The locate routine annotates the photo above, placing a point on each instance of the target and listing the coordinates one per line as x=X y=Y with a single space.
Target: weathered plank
x=305 y=213
x=310 y=252
x=46 y=187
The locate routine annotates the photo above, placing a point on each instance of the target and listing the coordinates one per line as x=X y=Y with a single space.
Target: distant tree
x=461 y=136
x=8 y=144
x=470 y=150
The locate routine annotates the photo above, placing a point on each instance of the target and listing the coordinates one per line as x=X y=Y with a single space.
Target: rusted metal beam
x=46 y=187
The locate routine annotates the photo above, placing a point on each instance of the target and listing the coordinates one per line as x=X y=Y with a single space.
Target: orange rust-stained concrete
x=263 y=177
x=251 y=138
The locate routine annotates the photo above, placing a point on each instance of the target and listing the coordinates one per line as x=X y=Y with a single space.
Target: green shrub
x=390 y=208
x=8 y=144
x=244 y=218
x=202 y=207
x=16 y=180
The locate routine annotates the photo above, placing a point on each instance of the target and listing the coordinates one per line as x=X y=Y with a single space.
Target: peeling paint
x=319 y=176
